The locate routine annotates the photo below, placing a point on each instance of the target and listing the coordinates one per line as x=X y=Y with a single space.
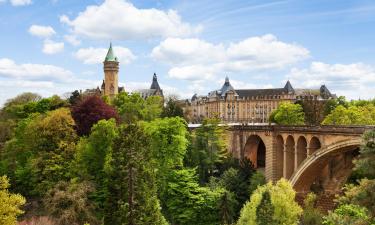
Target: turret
x=111 y=68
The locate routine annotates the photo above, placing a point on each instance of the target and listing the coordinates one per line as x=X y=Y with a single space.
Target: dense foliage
x=288 y=114
x=130 y=160
x=89 y=111
x=10 y=204
x=282 y=205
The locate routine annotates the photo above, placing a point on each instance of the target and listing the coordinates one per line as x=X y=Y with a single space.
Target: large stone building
x=248 y=105
x=154 y=90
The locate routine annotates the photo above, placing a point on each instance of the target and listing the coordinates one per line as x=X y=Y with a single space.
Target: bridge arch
x=301 y=151
x=289 y=156
x=314 y=145
x=312 y=166
x=279 y=156
x=255 y=151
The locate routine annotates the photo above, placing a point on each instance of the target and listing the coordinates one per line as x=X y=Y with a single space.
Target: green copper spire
x=110 y=55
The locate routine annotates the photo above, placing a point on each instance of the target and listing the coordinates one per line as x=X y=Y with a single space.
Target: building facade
x=247 y=105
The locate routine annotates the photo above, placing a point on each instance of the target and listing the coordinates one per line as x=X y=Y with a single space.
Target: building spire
x=155 y=84
x=288 y=87
x=110 y=55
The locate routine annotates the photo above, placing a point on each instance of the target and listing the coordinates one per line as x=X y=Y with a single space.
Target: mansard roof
x=288 y=87
x=260 y=92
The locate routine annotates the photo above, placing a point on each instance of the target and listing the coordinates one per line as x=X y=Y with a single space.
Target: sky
x=58 y=46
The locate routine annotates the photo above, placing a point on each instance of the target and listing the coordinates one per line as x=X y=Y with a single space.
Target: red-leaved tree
x=89 y=111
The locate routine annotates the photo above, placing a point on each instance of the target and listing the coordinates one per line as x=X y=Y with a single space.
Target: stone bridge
x=311 y=157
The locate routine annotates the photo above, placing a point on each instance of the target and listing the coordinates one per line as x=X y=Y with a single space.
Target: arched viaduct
x=311 y=157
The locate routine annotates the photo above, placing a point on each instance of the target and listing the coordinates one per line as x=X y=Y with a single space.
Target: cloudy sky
x=57 y=46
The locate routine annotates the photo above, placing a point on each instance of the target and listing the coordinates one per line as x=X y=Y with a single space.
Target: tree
x=74 y=97
x=265 y=211
x=93 y=157
x=188 y=203
x=208 y=148
x=311 y=215
x=10 y=204
x=132 y=107
x=89 y=111
x=352 y=115
x=347 y=214
x=288 y=114
x=132 y=191
x=40 y=153
x=286 y=210
x=362 y=195
x=257 y=179
x=365 y=164
x=68 y=203
x=172 y=109
x=167 y=145
x=331 y=104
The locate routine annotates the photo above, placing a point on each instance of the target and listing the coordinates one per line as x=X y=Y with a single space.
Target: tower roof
x=226 y=87
x=155 y=84
x=110 y=55
x=288 y=87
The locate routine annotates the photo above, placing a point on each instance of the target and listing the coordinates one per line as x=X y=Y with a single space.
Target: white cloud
x=20 y=2
x=42 y=31
x=28 y=71
x=96 y=55
x=167 y=90
x=73 y=40
x=354 y=80
x=119 y=19
x=195 y=59
x=51 y=47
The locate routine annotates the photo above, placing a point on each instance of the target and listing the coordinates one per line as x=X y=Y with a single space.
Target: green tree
x=208 y=148
x=257 y=179
x=132 y=195
x=10 y=204
x=172 y=109
x=365 y=164
x=286 y=210
x=132 y=107
x=347 y=214
x=188 y=203
x=93 y=156
x=352 y=115
x=40 y=153
x=69 y=204
x=311 y=215
x=265 y=211
x=331 y=104
x=288 y=114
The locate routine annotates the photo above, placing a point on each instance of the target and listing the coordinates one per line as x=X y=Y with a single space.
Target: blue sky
x=57 y=46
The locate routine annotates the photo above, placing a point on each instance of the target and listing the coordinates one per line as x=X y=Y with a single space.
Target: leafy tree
x=331 y=104
x=365 y=164
x=172 y=109
x=286 y=210
x=208 y=148
x=132 y=107
x=311 y=215
x=347 y=214
x=265 y=211
x=167 y=145
x=362 y=195
x=188 y=203
x=132 y=195
x=10 y=204
x=89 y=112
x=257 y=179
x=353 y=115
x=93 y=156
x=41 y=151
x=74 y=97
x=288 y=114
x=68 y=203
